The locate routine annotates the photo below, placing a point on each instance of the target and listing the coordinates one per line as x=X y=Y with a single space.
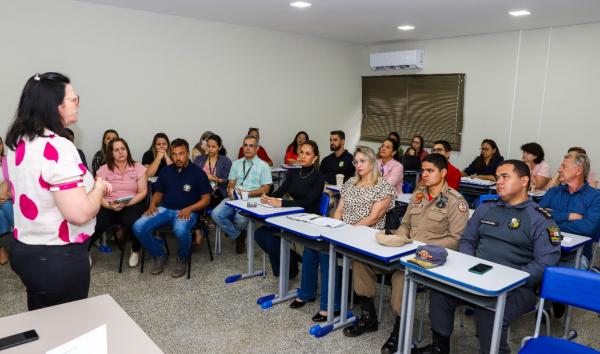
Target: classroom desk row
x=358 y=243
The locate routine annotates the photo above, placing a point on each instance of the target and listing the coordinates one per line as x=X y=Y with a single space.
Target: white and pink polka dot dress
x=37 y=168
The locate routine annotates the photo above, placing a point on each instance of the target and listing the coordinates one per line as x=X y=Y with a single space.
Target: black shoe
x=440 y=345
x=367 y=321
x=391 y=346
x=296 y=304
x=322 y=318
x=559 y=309
x=240 y=245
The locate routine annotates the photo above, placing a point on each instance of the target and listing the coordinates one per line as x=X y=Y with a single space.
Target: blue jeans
x=311 y=260
x=6 y=217
x=229 y=220
x=145 y=226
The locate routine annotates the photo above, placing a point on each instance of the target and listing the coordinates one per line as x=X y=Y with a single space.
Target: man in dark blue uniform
x=513 y=231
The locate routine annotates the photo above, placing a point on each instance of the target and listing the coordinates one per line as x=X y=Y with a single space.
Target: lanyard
x=212 y=170
x=246 y=173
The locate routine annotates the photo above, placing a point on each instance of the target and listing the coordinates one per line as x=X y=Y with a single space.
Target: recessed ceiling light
x=518 y=13
x=406 y=28
x=300 y=4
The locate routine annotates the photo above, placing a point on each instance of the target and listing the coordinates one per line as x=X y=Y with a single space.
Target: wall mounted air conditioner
x=406 y=59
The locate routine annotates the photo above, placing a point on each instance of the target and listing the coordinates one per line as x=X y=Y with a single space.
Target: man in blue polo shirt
x=182 y=189
x=575 y=206
x=248 y=175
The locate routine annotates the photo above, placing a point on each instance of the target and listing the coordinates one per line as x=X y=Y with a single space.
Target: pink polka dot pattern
x=45 y=185
x=50 y=152
x=20 y=152
x=82 y=237
x=82 y=168
x=28 y=207
x=63 y=231
x=16 y=234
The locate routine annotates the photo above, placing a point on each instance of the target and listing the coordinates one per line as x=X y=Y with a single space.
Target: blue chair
x=324 y=204
x=583 y=291
x=407 y=187
x=596 y=240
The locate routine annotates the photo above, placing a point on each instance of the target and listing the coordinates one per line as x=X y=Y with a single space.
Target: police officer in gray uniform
x=513 y=231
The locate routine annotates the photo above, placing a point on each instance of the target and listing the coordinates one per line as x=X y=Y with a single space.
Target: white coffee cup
x=339 y=179
x=244 y=195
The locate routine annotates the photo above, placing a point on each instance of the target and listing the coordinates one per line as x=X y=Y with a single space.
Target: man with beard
x=340 y=161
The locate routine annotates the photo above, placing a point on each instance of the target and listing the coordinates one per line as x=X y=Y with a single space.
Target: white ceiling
x=375 y=21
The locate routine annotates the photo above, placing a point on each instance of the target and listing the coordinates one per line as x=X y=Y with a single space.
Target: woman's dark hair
x=534 y=149
x=315 y=149
x=156 y=137
x=38 y=108
x=421 y=147
x=104 y=147
x=1 y=153
x=395 y=135
x=294 y=145
x=110 y=159
x=480 y=161
x=395 y=146
x=217 y=139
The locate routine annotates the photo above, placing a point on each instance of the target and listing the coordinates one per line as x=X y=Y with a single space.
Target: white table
x=258 y=213
x=356 y=242
x=455 y=279
x=306 y=233
x=59 y=324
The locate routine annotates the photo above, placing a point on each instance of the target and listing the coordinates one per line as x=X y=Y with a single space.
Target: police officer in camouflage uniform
x=437 y=214
x=513 y=231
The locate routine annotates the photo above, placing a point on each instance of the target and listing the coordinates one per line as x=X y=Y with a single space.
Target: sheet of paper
x=93 y=342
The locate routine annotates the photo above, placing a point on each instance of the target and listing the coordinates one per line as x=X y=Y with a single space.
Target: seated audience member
x=304 y=186
x=181 y=191
x=99 y=158
x=389 y=168
x=411 y=161
x=292 y=152
x=250 y=175
x=418 y=144
x=443 y=148
x=158 y=156
x=511 y=231
x=261 y=152
x=216 y=165
x=6 y=208
x=574 y=205
x=533 y=156
x=437 y=214
x=592 y=178
x=338 y=162
x=200 y=147
x=484 y=166
x=395 y=136
x=364 y=201
x=71 y=136
x=128 y=179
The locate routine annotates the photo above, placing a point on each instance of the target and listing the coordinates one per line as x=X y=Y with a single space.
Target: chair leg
x=548 y=326
x=218 y=240
x=381 y=287
x=142 y=260
x=189 y=272
x=207 y=237
x=122 y=248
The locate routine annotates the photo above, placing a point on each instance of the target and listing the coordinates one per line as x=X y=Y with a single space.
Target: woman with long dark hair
x=158 y=156
x=216 y=165
x=292 y=152
x=56 y=199
x=484 y=166
x=418 y=144
x=99 y=158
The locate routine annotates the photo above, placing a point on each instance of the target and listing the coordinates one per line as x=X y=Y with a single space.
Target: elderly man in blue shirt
x=574 y=204
x=247 y=175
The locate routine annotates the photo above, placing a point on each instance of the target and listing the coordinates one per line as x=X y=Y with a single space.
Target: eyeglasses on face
x=250 y=145
x=74 y=100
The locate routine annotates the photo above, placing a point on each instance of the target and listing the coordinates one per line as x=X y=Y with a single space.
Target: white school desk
x=455 y=279
x=59 y=324
x=258 y=213
x=356 y=242
x=292 y=230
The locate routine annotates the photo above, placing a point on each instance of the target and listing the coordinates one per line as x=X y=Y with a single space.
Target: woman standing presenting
x=56 y=200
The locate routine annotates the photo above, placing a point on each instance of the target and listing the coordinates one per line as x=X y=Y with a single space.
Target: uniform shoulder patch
x=545 y=212
x=554 y=235
x=462 y=206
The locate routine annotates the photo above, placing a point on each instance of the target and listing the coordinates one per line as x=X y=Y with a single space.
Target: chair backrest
x=324 y=204
x=484 y=197
x=571 y=286
x=407 y=187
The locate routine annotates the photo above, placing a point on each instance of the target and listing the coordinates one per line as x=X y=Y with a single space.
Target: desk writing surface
x=571 y=241
x=59 y=324
x=455 y=272
x=362 y=239
x=260 y=211
x=301 y=228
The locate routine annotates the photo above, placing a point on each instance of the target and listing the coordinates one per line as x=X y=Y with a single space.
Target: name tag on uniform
x=489 y=222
